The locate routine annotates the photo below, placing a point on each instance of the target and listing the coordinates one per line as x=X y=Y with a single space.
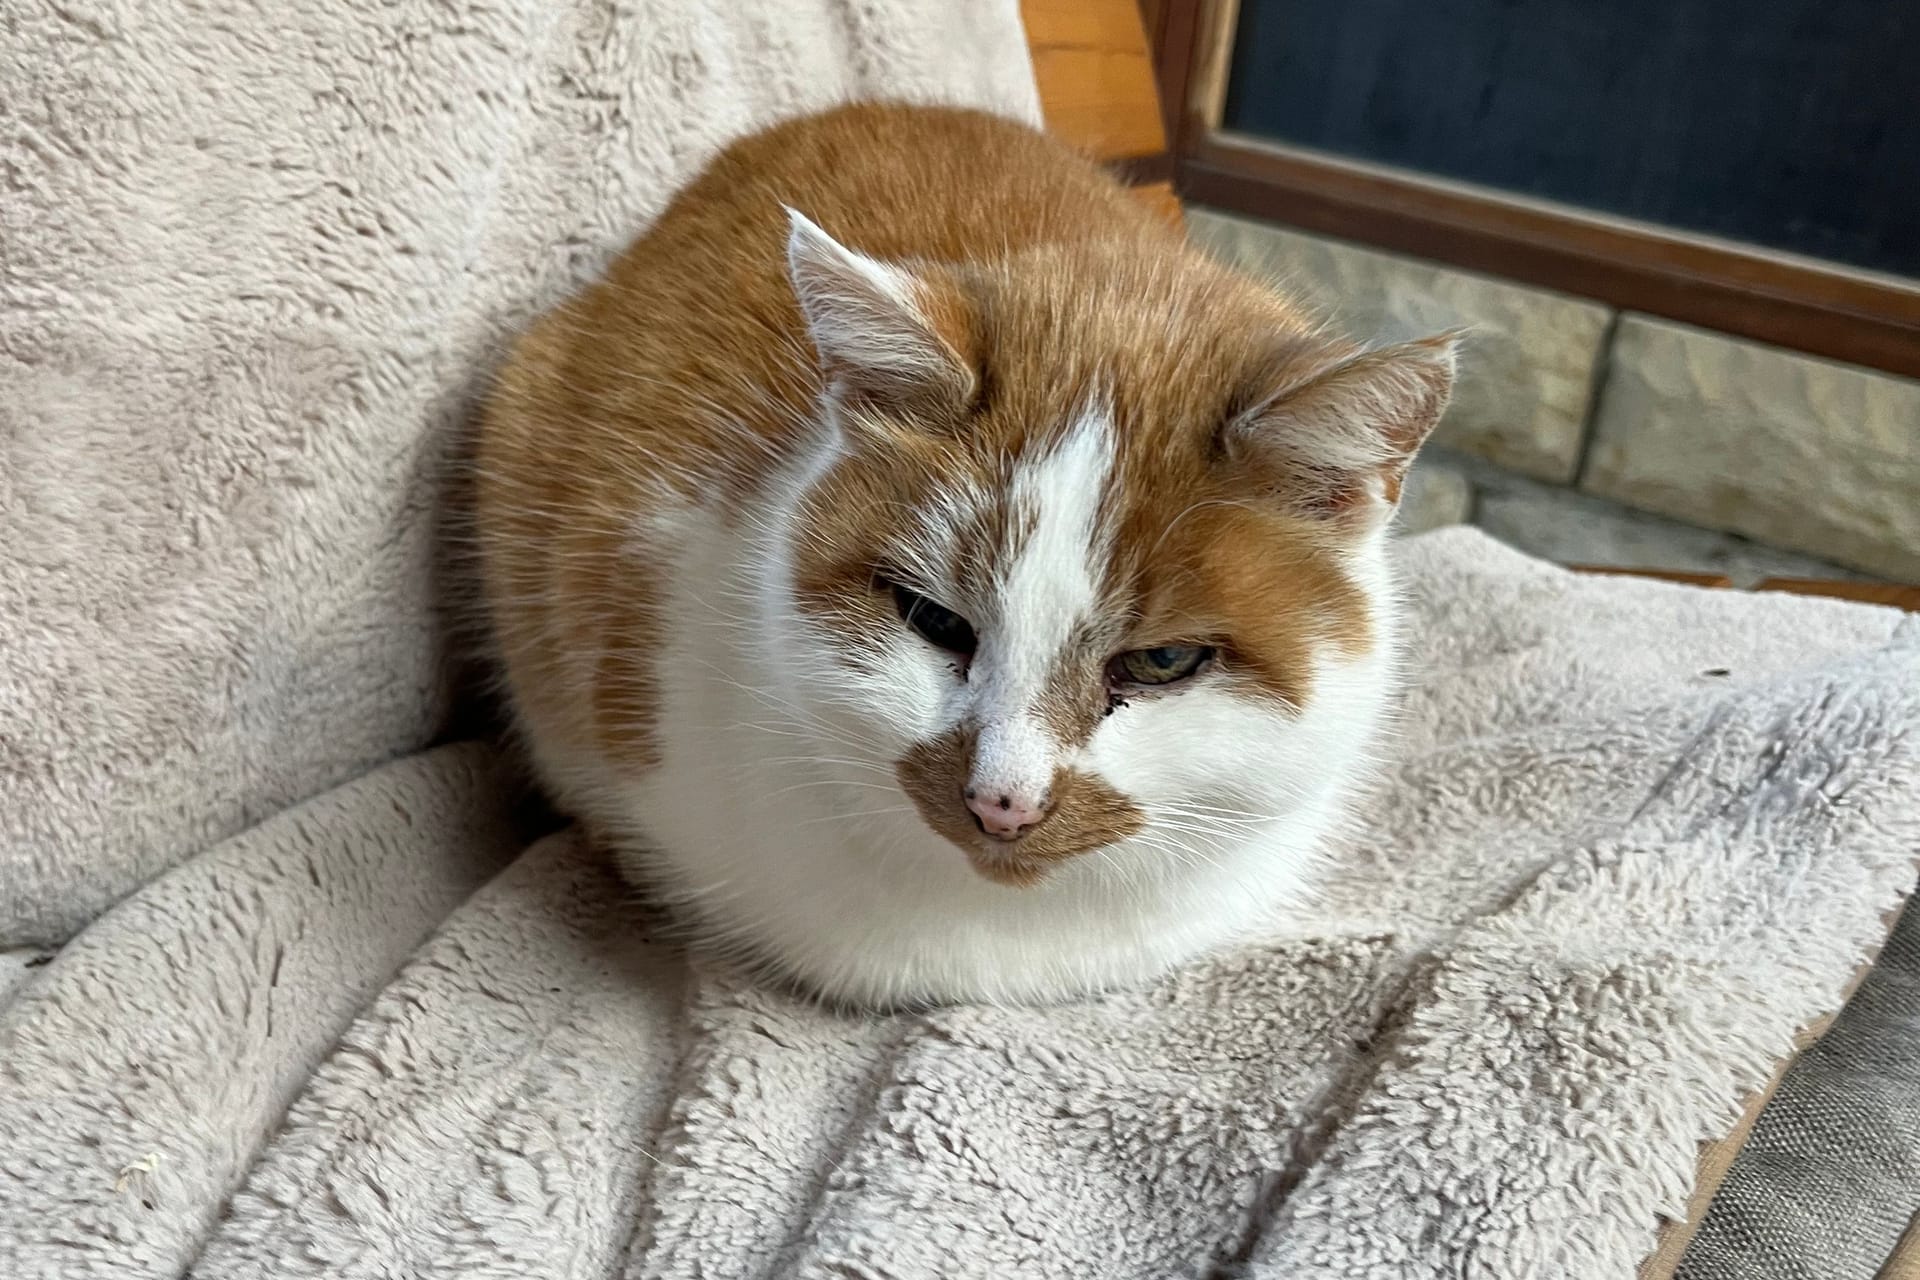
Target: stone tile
x=1436 y=494
x=1569 y=527
x=1527 y=370
x=1797 y=451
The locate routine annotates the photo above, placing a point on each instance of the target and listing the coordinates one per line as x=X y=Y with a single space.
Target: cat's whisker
x=856 y=814
x=774 y=702
x=832 y=761
x=830 y=782
x=1207 y=822
x=761 y=728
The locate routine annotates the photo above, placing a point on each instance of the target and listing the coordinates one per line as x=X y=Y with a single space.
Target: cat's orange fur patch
x=1087 y=813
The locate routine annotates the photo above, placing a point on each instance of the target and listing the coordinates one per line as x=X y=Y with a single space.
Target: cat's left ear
x=873 y=324
x=1335 y=441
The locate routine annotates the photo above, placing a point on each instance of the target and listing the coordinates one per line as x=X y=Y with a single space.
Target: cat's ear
x=873 y=324
x=1334 y=441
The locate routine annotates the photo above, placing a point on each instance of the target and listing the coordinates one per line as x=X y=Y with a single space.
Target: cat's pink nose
x=1007 y=815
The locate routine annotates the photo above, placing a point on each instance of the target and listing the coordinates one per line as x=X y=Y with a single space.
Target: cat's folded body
x=934 y=577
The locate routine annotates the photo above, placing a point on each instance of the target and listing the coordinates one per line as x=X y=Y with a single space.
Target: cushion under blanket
x=1629 y=838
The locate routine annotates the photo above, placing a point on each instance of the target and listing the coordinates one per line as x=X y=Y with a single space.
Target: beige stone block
x=1791 y=450
x=1527 y=371
x=1570 y=527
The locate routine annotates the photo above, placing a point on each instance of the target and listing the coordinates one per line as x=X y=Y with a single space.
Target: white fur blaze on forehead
x=1052 y=584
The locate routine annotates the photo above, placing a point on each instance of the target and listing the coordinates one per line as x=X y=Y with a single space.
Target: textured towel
x=1631 y=837
x=253 y=264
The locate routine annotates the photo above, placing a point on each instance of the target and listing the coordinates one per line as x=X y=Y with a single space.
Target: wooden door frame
x=1799 y=303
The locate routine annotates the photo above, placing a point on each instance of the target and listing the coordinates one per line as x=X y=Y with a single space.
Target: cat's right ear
x=873 y=325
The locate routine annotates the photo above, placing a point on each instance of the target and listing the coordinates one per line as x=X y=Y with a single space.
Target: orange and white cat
x=936 y=578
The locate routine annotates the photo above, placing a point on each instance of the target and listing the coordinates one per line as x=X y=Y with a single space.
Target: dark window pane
x=1793 y=124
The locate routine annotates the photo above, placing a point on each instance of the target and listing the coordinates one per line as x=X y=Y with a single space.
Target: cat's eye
x=937 y=624
x=1163 y=665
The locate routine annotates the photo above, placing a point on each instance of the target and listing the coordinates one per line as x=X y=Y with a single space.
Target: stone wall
x=1591 y=436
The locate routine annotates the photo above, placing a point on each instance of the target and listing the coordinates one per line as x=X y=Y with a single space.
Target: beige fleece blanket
x=1630 y=836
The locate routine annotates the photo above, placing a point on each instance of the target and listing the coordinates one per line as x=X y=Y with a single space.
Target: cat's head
x=1090 y=550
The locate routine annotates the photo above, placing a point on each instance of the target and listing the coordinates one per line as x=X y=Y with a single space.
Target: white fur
x=775 y=814
x=1048 y=591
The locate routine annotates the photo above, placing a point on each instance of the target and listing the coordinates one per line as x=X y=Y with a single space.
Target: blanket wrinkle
x=171 y=1035
x=433 y=1139
x=753 y=1053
